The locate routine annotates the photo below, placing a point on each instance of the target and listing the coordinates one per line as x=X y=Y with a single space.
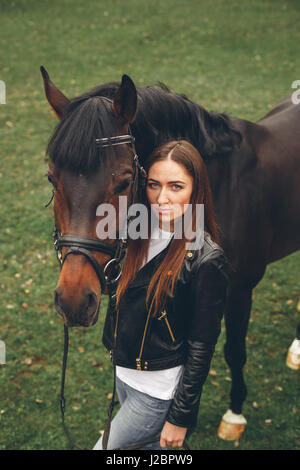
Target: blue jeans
x=140 y=417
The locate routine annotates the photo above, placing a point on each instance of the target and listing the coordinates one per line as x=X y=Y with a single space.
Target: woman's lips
x=164 y=211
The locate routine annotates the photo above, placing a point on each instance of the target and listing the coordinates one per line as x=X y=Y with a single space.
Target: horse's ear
x=125 y=101
x=57 y=100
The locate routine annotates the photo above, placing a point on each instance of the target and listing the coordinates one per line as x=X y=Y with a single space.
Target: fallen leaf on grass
x=97 y=364
x=216 y=384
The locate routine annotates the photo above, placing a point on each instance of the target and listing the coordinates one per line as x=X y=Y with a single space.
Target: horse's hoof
x=293 y=355
x=232 y=426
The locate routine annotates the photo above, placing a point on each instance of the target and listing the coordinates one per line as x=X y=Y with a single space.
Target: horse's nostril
x=57 y=294
x=92 y=303
x=58 y=308
x=55 y=298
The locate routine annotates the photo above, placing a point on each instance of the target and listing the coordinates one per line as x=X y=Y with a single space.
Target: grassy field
x=238 y=57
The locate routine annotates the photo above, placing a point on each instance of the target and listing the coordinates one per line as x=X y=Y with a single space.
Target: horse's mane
x=162 y=115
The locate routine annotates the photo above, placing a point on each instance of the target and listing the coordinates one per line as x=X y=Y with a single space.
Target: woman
x=165 y=320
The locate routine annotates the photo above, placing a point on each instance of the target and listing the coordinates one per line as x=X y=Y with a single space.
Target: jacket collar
x=145 y=274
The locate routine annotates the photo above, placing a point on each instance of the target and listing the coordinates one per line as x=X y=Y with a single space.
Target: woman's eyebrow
x=169 y=182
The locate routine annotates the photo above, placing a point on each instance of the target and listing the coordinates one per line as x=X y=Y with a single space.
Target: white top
x=159 y=383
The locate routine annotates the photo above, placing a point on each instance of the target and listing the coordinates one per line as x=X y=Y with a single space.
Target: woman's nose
x=163 y=197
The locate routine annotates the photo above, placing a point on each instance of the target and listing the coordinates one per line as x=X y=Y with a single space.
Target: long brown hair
x=164 y=279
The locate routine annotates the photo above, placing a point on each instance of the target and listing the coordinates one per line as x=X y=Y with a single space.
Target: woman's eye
x=176 y=187
x=152 y=185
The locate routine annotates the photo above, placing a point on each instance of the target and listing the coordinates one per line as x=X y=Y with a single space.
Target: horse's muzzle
x=82 y=312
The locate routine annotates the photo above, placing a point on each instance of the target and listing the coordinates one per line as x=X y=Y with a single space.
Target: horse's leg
x=293 y=356
x=236 y=318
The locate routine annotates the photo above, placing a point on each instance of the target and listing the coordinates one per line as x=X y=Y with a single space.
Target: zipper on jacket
x=138 y=359
x=164 y=316
x=115 y=334
x=117 y=319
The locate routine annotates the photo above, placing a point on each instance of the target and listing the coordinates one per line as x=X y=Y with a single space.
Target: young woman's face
x=169 y=187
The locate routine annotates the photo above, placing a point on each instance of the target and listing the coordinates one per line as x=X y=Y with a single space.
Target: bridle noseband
x=83 y=246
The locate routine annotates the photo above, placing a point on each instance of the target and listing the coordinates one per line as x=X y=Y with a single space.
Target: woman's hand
x=172 y=435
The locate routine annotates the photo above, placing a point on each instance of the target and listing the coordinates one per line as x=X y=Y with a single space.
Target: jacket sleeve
x=208 y=292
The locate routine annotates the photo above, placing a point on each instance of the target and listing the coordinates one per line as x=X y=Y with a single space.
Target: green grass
x=238 y=57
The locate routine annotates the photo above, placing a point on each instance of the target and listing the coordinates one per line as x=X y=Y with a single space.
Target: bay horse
x=253 y=170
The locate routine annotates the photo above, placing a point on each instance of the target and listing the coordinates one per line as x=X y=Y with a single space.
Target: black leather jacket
x=185 y=332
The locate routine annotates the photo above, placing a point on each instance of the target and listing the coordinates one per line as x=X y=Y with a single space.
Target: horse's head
x=85 y=173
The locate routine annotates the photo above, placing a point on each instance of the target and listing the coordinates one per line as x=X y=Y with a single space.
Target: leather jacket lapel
x=145 y=274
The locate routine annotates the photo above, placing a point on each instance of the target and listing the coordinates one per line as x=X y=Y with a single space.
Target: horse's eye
x=122 y=186
x=50 y=179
